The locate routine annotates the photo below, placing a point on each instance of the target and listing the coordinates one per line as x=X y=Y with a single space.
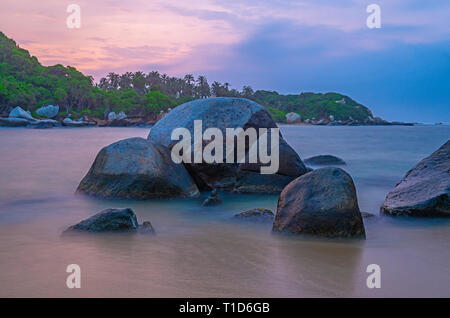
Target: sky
x=401 y=71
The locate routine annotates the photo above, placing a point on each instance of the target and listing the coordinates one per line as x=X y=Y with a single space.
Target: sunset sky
x=401 y=71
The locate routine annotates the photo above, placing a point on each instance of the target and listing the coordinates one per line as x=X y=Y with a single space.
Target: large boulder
x=49 y=111
x=109 y=220
x=425 y=189
x=292 y=118
x=19 y=112
x=324 y=160
x=320 y=203
x=225 y=113
x=137 y=168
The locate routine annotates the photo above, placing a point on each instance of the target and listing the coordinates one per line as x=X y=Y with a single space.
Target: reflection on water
x=201 y=251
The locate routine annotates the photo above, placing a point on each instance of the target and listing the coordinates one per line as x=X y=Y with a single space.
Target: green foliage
x=277 y=115
x=312 y=105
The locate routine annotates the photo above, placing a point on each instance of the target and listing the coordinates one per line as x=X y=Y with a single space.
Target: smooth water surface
x=198 y=251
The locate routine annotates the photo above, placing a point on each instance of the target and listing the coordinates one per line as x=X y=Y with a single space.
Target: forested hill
x=25 y=82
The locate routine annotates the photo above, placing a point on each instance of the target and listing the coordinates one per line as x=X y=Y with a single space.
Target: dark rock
x=13 y=122
x=139 y=169
x=122 y=122
x=213 y=199
x=321 y=203
x=258 y=215
x=109 y=220
x=425 y=189
x=324 y=160
x=223 y=113
x=255 y=182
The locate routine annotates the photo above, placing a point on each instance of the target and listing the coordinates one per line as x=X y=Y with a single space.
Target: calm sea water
x=199 y=251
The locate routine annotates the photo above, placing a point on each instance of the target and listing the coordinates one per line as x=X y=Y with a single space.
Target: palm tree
x=203 y=89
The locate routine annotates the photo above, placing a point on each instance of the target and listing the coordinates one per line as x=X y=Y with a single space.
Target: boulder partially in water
x=109 y=220
x=320 y=203
x=424 y=190
x=324 y=160
x=222 y=113
x=139 y=169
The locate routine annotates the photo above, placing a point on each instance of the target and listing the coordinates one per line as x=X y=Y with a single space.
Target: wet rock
x=257 y=215
x=320 y=203
x=139 y=169
x=324 y=160
x=109 y=220
x=425 y=189
x=213 y=199
x=255 y=182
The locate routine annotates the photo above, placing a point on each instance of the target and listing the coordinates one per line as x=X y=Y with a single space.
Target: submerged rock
x=213 y=199
x=223 y=113
x=258 y=215
x=320 y=203
x=139 y=169
x=324 y=160
x=425 y=189
x=109 y=220
x=146 y=228
x=48 y=111
x=19 y=112
x=13 y=122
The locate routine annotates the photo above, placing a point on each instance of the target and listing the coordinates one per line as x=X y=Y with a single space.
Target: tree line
x=25 y=82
